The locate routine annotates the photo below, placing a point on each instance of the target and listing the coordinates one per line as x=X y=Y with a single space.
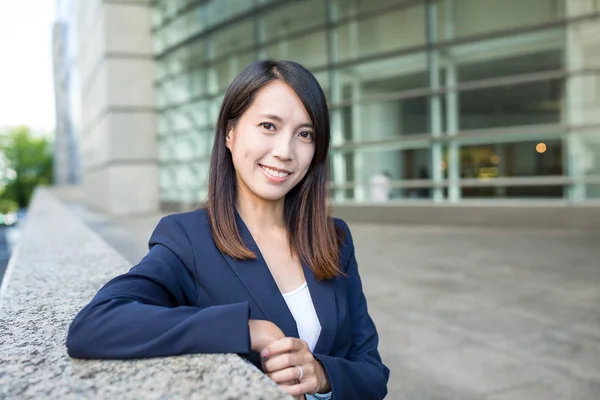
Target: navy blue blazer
x=186 y=297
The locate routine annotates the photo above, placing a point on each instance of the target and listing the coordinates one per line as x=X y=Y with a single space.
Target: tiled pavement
x=467 y=313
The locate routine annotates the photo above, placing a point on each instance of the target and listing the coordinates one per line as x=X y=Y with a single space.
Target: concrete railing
x=56 y=268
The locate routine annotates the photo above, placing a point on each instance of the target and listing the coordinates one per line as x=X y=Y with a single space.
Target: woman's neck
x=259 y=215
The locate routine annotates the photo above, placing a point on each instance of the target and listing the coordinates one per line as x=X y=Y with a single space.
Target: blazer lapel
x=259 y=282
x=323 y=297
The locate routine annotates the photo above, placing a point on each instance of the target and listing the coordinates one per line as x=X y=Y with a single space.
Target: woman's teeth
x=275 y=173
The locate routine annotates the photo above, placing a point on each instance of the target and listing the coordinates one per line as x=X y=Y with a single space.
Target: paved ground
x=485 y=314
x=465 y=313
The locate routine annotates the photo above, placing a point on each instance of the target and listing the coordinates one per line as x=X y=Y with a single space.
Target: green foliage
x=26 y=161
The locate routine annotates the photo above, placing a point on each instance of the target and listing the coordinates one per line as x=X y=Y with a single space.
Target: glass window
x=214 y=107
x=187 y=146
x=216 y=12
x=537 y=61
x=184 y=178
x=588 y=152
x=511 y=105
x=521 y=159
x=309 y=50
x=364 y=167
x=230 y=39
x=592 y=191
x=507 y=55
x=158 y=14
x=348 y=8
x=383 y=33
x=542 y=191
x=223 y=72
x=182 y=60
x=180 y=89
x=382 y=76
x=292 y=18
x=168 y=189
x=260 y=2
x=474 y=17
x=166 y=150
x=383 y=120
x=323 y=79
x=186 y=117
x=163 y=124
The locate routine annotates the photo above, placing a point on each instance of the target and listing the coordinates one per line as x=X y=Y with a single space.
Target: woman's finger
x=289 y=374
x=285 y=345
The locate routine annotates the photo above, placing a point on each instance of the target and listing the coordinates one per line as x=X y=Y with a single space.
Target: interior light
x=540 y=148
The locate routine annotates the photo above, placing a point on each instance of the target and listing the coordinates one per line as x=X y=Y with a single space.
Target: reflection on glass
x=230 y=39
x=514 y=192
x=514 y=105
x=348 y=8
x=512 y=159
x=292 y=18
x=587 y=148
x=592 y=192
x=368 y=167
x=374 y=121
x=363 y=37
x=309 y=50
x=473 y=17
x=508 y=64
x=379 y=89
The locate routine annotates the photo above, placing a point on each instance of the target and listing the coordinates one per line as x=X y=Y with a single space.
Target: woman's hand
x=279 y=362
x=263 y=333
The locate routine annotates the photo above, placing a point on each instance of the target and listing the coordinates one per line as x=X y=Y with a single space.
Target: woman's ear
x=229 y=135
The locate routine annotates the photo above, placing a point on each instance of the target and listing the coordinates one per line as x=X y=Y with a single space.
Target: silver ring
x=301 y=371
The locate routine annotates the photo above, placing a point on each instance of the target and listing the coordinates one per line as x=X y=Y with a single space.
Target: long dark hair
x=311 y=231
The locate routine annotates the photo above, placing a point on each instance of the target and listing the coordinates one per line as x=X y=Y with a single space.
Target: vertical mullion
x=435 y=106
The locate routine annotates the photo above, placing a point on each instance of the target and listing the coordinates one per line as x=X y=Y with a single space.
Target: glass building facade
x=454 y=99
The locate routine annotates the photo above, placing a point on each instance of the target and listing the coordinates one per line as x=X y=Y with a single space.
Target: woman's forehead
x=278 y=99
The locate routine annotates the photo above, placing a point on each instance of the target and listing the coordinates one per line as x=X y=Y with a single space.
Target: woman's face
x=272 y=143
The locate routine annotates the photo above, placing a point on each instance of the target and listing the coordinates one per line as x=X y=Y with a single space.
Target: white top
x=302 y=308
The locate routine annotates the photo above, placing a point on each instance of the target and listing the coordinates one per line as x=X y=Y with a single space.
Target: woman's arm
x=361 y=374
x=149 y=312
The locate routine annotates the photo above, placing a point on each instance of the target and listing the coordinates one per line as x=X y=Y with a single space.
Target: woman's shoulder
x=341 y=224
x=344 y=239
x=193 y=223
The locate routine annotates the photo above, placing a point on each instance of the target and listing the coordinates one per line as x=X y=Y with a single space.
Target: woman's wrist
x=324 y=384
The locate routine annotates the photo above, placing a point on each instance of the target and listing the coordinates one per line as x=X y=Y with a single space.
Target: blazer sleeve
x=150 y=312
x=361 y=375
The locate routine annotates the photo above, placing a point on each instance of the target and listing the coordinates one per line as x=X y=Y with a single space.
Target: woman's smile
x=275 y=174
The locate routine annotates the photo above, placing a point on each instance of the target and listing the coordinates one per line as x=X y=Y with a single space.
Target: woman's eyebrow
x=280 y=120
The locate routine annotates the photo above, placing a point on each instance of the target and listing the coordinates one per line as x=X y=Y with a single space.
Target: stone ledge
x=55 y=270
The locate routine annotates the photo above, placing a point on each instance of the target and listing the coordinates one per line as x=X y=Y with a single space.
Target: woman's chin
x=271 y=195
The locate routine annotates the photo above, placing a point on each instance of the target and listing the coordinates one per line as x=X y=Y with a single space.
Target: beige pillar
x=118 y=113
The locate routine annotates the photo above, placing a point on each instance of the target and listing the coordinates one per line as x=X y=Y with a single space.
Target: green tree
x=26 y=162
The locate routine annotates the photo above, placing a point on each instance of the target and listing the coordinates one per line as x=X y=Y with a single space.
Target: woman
x=262 y=270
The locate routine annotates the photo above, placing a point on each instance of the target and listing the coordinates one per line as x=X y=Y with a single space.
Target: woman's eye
x=306 y=135
x=267 y=125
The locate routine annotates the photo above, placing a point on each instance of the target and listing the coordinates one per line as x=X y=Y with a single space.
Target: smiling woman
x=275 y=119
x=262 y=270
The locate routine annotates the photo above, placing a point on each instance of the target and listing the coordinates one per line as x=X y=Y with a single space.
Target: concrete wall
x=35 y=315
x=118 y=121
